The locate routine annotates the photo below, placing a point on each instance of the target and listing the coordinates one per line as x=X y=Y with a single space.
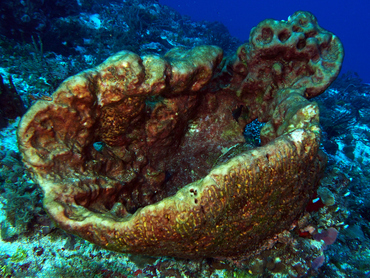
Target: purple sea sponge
x=318 y=262
x=329 y=236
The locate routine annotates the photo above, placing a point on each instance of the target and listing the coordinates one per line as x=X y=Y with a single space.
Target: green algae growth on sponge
x=152 y=189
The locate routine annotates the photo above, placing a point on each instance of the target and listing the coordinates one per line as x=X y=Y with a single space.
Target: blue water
x=349 y=20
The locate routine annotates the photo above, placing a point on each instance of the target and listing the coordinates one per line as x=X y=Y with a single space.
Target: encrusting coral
x=159 y=183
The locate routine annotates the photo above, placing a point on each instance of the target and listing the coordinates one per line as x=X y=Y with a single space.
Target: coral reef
x=164 y=122
x=41 y=52
x=20 y=197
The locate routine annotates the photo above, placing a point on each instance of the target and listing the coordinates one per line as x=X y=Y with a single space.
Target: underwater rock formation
x=147 y=155
x=11 y=104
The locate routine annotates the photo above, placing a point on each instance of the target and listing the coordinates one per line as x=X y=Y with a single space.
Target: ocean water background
x=349 y=20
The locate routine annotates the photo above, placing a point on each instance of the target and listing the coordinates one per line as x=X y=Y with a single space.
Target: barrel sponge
x=172 y=174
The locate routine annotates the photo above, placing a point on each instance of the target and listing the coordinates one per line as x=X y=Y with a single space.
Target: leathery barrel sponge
x=146 y=154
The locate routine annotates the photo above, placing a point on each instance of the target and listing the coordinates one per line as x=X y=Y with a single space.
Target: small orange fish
x=40 y=98
x=46 y=98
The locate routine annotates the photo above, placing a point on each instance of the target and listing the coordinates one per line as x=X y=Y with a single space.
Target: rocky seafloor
x=41 y=45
